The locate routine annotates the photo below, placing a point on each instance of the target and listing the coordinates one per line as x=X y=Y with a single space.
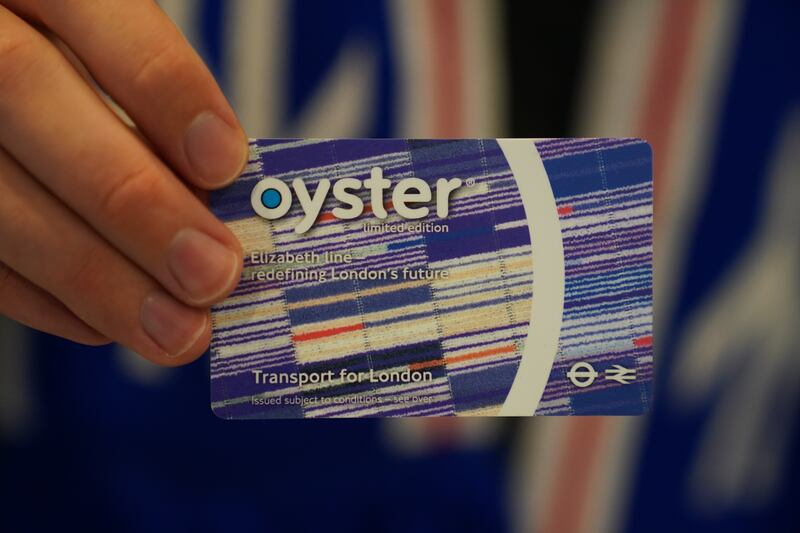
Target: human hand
x=100 y=239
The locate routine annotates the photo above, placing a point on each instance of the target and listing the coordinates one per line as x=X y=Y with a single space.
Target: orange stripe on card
x=565 y=210
x=466 y=357
x=326 y=332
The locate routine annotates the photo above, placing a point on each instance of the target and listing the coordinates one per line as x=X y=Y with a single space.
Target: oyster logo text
x=271 y=198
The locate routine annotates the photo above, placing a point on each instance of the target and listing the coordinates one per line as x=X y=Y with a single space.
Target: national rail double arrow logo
x=582 y=374
x=620 y=374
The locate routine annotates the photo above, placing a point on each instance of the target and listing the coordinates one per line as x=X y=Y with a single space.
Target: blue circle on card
x=271 y=198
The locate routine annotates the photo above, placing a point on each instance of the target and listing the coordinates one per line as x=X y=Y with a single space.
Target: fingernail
x=203 y=266
x=217 y=152
x=172 y=325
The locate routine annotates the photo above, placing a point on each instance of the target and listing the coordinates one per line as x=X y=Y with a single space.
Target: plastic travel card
x=468 y=277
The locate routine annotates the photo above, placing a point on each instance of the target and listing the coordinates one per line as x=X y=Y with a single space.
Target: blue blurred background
x=101 y=440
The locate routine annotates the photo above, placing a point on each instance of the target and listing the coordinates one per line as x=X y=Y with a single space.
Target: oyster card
x=468 y=277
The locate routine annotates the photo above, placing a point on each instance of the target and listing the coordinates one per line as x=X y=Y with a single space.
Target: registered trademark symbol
x=470 y=182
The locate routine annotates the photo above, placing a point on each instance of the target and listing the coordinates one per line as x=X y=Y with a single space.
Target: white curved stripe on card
x=547 y=303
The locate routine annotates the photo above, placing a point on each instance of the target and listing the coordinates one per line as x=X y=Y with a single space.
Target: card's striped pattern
x=604 y=195
x=467 y=330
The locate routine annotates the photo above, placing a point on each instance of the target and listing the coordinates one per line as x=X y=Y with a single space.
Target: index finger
x=142 y=60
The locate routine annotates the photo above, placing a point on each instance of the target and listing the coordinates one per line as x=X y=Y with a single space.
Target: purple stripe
x=239 y=366
x=258 y=352
x=606 y=356
x=616 y=246
x=601 y=266
x=602 y=299
x=242 y=338
x=577 y=228
x=560 y=391
x=553 y=154
x=638 y=188
x=647 y=329
x=609 y=210
x=244 y=367
x=578 y=144
x=601 y=322
x=607 y=235
x=514 y=360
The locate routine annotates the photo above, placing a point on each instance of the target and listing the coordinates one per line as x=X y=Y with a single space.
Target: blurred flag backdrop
x=101 y=438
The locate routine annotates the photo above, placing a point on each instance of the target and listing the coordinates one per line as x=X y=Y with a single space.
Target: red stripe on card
x=326 y=217
x=326 y=332
x=643 y=341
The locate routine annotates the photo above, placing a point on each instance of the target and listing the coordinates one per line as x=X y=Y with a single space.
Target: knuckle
x=166 y=62
x=86 y=271
x=130 y=191
x=16 y=55
x=5 y=277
